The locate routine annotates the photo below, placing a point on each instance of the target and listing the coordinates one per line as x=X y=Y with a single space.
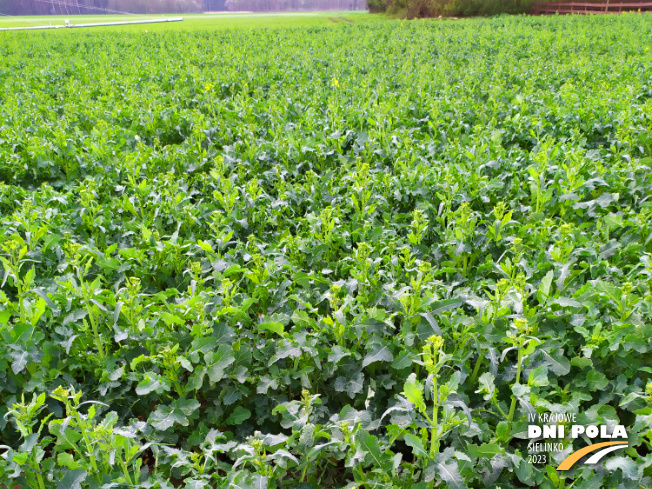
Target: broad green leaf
x=205 y=246
x=413 y=391
x=567 y=302
x=379 y=353
x=403 y=360
x=487 y=386
x=65 y=459
x=557 y=362
x=20 y=361
x=444 y=305
x=167 y=416
x=520 y=390
x=544 y=288
x=217 y=361
x=369 y=444
x=538 y=377
x=485 y=450
x=73 y=479
x=195 y=484
x=596 y=381
x=416 y=444
x=447 y=470
x=627 y=466
x=273 y=327
x=152 y=383
x=238 y=416
x=503 y=430
x=302 y=319
x=4 y=316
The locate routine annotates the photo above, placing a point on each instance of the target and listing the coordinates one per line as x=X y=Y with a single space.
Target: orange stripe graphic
x=575 y=456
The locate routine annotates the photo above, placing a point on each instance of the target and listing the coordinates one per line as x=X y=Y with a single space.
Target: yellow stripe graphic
x=575 y=456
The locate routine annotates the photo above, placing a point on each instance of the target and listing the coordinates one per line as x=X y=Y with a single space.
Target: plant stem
x=491 y=412
x=96 y=334
x=91 y=457
x=39 y=477
x=512 y=408
x=476 y=370
x=434 y=444
x=19 y=288
x=126 y=471
x=500 y=410
x=361 y=474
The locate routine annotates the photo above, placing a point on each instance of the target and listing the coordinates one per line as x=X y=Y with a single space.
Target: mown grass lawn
x=202 y=21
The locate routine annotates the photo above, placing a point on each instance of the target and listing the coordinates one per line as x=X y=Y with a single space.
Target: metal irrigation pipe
x=102 y=24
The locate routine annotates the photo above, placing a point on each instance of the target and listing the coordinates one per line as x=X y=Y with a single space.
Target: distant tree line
x=433 y=8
